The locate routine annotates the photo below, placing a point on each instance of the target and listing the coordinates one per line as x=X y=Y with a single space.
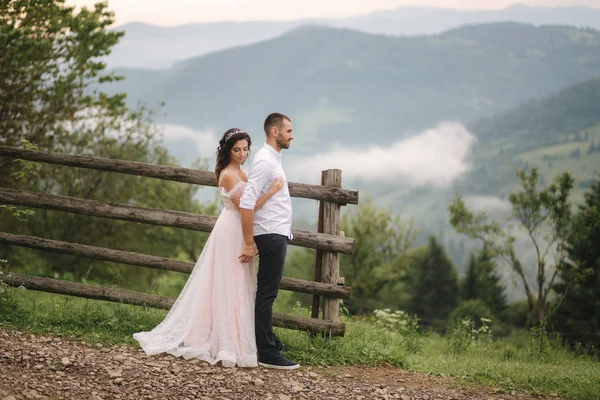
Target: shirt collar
x=273 y=152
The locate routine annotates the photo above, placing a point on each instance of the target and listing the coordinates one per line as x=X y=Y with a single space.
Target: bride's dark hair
x=229 y=139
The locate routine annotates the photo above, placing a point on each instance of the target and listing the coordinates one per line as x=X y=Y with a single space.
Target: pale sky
x=176 y=12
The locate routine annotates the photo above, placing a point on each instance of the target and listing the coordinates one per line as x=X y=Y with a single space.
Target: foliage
x=299 y=263
x=465 y=333
x=577 y=317
x=50 y=56
x=399 y=323
x=379 y=258
x=52 y=82
x=517 y=314
x=8 y=302
x=432 y=286
x=483 y=282
x=475 y=310
x=27 y=170
x=544 y=215
x=539 y=341
x=396 y=321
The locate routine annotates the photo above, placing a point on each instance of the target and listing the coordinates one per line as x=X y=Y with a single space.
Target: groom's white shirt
x=275 y=216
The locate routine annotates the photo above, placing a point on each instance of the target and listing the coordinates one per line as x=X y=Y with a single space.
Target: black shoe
x=277 y=362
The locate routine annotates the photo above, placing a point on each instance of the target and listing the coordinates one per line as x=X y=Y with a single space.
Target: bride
x=213 y=317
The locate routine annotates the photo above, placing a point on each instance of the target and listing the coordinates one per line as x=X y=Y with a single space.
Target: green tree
x=468 y=289
x=483 y=282
x=51 y=85
x=544 y=215
x=379 y=258
x=51 y=57
x=432 y=285
x=577 y=317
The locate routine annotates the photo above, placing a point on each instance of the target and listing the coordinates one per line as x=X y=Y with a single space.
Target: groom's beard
x=284 y=144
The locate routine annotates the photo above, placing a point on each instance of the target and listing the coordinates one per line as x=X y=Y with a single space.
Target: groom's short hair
x=274 y=119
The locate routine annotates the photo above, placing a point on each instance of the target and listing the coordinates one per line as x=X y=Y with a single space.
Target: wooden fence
x=328 y=241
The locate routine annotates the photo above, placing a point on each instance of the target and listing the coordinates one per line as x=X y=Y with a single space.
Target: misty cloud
x=436 y=156
x=487 y=203
x=205 y=142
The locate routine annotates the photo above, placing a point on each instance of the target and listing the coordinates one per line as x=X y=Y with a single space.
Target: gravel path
x=37 y=367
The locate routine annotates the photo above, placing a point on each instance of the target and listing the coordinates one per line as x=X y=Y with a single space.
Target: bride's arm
x=228 y=182
x=276 y=186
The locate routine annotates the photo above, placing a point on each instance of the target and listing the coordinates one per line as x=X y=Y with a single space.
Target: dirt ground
x=38 y=367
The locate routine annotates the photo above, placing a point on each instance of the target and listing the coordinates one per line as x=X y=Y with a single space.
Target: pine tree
x=490 y=288
x=469 y=285
x=433 y=286
x=484 y=283
x=577 y=318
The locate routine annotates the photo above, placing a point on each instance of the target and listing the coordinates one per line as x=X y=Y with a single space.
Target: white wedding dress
x=213 y=317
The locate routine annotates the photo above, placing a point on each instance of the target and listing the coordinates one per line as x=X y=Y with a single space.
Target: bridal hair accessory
x=233 y=132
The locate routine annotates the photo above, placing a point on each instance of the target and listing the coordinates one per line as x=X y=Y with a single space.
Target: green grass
x=509 y=365
x=76 y=318
x=506 y=364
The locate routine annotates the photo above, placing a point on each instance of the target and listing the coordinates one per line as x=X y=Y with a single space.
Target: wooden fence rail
x=177 y=174
x=163 y=263
x=152 y=300
x=154 y=216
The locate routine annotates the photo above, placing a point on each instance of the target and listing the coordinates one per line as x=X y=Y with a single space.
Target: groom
x=269 y=230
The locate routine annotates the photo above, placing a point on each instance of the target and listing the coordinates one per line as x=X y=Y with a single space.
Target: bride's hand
x=277 y=185
x=248 y=254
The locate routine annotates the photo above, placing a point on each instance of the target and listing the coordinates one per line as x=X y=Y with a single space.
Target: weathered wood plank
x=163 y=263
x=318 y=273
x=177 y=174
x=152 y=300
x=153 y=216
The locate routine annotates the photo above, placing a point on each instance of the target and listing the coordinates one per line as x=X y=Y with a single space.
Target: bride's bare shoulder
x=227 y=180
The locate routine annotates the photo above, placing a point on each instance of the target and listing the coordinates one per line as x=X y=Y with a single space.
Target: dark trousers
x=272 y=249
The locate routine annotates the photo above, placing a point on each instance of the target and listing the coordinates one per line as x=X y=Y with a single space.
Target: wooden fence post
x=331 y=259
x=318 y=276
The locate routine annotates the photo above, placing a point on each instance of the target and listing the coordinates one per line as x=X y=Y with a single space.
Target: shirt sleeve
x=257 y=180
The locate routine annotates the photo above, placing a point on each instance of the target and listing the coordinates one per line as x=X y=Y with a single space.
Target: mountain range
x=347 y=87
x=156 y=47
x=559 y=133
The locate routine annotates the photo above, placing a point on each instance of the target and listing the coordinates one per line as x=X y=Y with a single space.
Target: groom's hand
x=248 y=253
